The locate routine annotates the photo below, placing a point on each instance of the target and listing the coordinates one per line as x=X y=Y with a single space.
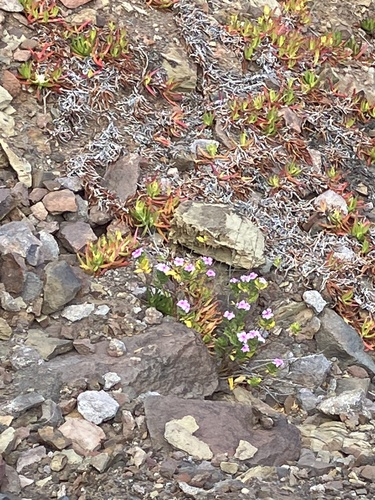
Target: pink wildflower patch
x=179 y=261
x=189 y=268
x=278 y=362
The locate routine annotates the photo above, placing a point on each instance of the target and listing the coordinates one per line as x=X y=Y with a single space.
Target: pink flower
x=184 y=305
x=207 y=261
x=137 y=253
x=178 y=261
x=267 y=314
x=229 y=315
x=253 y=334
x=278 y=362
x=242 y=337
x=243 y=305
x=245 y=348
x=233 y=280
x=211 y=273
x=253 y=276
x=163 y=268
x=189 y=268
x=245 y=278
x=261 y=339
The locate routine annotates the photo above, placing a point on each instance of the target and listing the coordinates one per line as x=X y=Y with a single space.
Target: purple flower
x=245 y=348
x=189 y=268
x=233 y=280
x=243 y=305
x=207 y=261
x=184 y=305
x=137 y=253
x=278 y=362
x=252 y=334
x=163 y=268
x=229 y=315
x=267 y=314
x=253 y=276
x=242 y=337
x=178 y=261
x=211 y=273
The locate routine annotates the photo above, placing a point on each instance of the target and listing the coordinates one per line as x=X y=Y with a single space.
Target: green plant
x=368 y=25
x=208 y=118
x=84 y=44
x=109 y=252
x=41 y=77
x=295 y=328
x=211 y=149
x=41 y=11
x=360 y=229
x=309 y=81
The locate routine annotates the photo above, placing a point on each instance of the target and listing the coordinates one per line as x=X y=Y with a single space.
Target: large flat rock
x=217 y=231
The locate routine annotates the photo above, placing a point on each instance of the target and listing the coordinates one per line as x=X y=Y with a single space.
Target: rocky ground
x=103 y=396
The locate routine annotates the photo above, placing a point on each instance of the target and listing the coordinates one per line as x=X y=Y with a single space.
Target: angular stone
x=30 y=457
x=368 y=472
x=39 y=211
x=61 y=286
x=315 y=467
x=97 y=406
x=37 y=194
x=13 y=272
x=98 y=216
x=7 y=202
x=229 y=467
x=346 y=403
x=228 y=237
x=48 y=347
x=338 y=339
x=5 y=330
x=314 y=300
x=58 y=202
x=245 y=450
x=7 y=440
x=51 y=413
x=8 y=303
x=74 y=4
x=23 y=356
x=51 y=249
x=33 y=288
x=78 y=311
x=86 y=437
x=17 y=238
x=233 y=422
x=84 y=346
x=82 y=213
x=169 y=358
x=75 y=235
x=24 y=402
x=58 y=462
x=110 y=379
x=122 y=176
x=21 y=166
x=332 y=201
x=116 y=348
x=7 y=125
x=309 y=371
x=128 y=424
x=53 y=438
x=5 y=97
x=179 y=433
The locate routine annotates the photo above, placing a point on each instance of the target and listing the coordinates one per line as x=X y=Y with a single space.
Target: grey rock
x=61 y=286
x=97 y=406
x=332 y=200
x=23 y=356
x=116 y=348
x=337 y=339
x=73 y=183
x=7 y=202
x=121 y=177
x=229 y=237
x=309 y=371
x=48 y=347
x=23 y=403
x=315 y=467
x=30 y=456
x=98 y=216
x=33 y=287
x=314 y=300
x=51 y=414
x=169 y=358
x=82 y=213
x=77 y=312
x=17 y=238
x=50 y=247
x=8 y=303
x=5 y=97
x=233 y=423
x=346 y=403
x=307 y=400
x=102 y=310
x=110 y=379
x=10 y=6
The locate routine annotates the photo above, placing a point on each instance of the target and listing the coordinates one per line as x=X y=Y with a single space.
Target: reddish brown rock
x=13 y=272
x=39 y=211
x=37 y=194
x=84 y=346
x=357 y=371
x=21 y=55
x=58 y=202
x=75 y=235
x=53 y=438
x=10 y=83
